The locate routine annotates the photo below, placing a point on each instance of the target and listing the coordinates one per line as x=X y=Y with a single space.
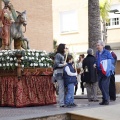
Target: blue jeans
x=104 y=86
x=69 y=98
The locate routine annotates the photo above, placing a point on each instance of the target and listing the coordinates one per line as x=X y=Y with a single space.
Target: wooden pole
x=66 y=56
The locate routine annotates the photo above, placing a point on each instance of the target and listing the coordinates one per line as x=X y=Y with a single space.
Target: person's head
x=90 y=51
x=69 y=59
x=61 y=48
x=81 y=56
x=100 y=45
x=107 y=47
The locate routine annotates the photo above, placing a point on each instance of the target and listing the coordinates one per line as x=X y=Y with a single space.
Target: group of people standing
x=93 y=70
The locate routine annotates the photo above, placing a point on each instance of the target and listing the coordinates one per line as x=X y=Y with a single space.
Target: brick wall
x=39 y=20
x=0 y=9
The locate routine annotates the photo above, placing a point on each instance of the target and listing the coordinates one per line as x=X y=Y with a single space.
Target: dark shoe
x=101 y=103
x=63 y=106
x=90 y=100
x=82 y=93
x=96 y=100
x=112 y=100
x=68 y=106
x=73 y=105
x=104 y=103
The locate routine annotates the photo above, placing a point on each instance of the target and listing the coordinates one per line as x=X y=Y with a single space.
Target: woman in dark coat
x=90 y=76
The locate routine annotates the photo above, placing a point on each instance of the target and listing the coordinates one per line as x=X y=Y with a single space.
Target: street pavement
x=11 y=113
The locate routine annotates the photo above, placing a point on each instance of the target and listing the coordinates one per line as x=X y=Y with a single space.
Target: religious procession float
x=25 y=74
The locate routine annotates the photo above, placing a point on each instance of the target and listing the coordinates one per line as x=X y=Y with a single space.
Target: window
x=68 y=21
x=114 y=17
x=113 y=22
x=108 y=24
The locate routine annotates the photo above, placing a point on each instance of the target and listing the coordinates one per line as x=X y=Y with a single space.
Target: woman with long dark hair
x=59 y=63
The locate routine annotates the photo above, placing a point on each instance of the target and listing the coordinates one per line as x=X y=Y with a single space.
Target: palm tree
x=104 y=9
x=55 y=45
x=94 y=26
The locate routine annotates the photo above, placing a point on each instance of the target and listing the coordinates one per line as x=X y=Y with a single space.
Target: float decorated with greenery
x=29 y=58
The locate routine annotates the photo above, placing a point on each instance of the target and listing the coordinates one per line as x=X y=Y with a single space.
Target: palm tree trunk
x=94 y=26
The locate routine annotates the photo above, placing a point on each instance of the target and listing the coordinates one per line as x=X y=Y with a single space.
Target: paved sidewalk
x=40 y=111
x=110 y=112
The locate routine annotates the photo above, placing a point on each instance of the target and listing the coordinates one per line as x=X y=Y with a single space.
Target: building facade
x=70 y=26
x=39 y=22
x=113 y=27
x=113 y=31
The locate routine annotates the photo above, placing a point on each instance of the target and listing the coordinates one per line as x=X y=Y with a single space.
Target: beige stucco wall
x=78 y=41
x=40 y=24
x=115 y=1
x=114 y=38
x=113 y=35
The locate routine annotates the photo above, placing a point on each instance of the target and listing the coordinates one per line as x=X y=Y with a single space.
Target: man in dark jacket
x=90 y=76
x=112 y=88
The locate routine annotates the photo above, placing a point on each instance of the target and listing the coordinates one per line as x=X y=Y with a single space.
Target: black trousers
x=82 y=81
x=81 y=86
x=112 y=88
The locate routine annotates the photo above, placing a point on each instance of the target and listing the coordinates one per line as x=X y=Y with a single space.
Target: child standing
x=70 y=80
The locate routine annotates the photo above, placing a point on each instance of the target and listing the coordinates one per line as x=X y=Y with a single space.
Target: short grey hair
x=101 y=43
x=90 y=51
